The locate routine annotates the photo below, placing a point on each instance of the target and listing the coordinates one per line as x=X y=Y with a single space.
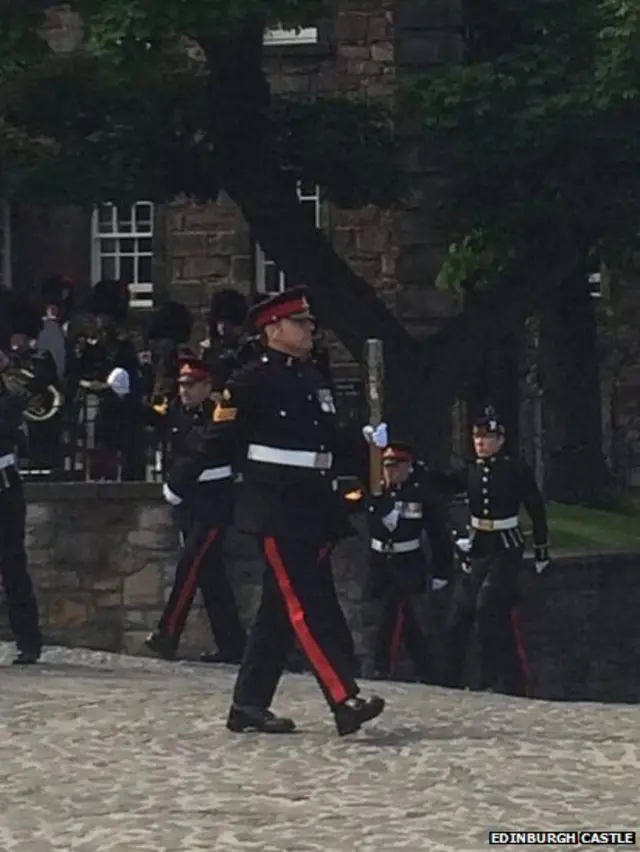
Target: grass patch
x=574 y=529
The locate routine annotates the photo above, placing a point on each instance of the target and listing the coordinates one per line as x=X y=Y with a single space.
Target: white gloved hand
x=540 y=566
x=391 y=520
x=438 y=584
x=119 y=382
x=463 y=544
x=170 y=496
x=376 y=435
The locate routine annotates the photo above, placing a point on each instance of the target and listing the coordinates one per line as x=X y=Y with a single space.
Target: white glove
x=540 y=566
x=391 y=520
x=463 y=544
x=119 y=382
x=170 y=496
x=437 y=584
x=376 y=435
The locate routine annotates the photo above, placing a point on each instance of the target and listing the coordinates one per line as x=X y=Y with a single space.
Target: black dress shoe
x=161 y=645
x=354 y=712
x=258 y=719
x=27 y=657
x=220 y=657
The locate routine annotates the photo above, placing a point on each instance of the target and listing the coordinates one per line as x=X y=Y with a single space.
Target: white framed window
x=122 y=248
x=595 y=285
x=5 y=243
x=268 y=278
x=280 y=37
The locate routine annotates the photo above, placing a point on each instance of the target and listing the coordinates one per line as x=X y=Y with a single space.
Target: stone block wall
x=102 y=558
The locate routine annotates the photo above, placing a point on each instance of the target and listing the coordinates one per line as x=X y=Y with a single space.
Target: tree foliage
x=534 y=130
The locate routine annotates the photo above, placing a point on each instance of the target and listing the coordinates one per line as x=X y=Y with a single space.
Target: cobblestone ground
x=102 y=753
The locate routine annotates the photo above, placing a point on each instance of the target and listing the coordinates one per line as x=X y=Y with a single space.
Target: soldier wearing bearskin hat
x=497 y=484
x=203 y=511
x=227 y=346
x=405 y=509
x=21 y=602
x=108 y=369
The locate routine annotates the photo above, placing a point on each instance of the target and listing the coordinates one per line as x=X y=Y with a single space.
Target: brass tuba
x=41 y=404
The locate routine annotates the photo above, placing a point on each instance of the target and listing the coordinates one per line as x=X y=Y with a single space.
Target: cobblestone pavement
x=101 y=753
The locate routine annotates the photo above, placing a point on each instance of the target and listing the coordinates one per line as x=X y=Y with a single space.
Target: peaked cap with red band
x=397 y=452
x=193 y=370
x=290 y=304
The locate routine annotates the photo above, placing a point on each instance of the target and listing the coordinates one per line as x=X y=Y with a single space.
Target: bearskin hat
x=227 y=306
x=24 y=316
x=173 y=321
x=57 y=290
x=111 y=298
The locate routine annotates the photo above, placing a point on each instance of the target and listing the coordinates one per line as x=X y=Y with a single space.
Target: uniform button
x=485 y=470
x=323 y=448
x=486 y=499
x=323 y=473
x=283 y=414
x=316 y=423
x=485 y=511
x=484 y=491
x=310 y=396
x=485 y=478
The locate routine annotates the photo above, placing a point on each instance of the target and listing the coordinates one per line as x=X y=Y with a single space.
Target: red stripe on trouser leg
x=190 y=583
x=396 y=639
x=325 y=671
x=520 y=649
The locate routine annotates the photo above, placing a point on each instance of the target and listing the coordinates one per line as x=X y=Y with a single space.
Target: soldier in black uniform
x=397 y=519
x=21 y=602
x=278 y=418
x=43 y=436
x=497 y=485
x=222 y=349
x=204 y=510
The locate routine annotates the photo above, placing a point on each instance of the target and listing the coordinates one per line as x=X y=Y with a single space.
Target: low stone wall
x=102 y=558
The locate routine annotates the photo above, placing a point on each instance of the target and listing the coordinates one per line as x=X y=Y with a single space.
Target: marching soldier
x=397 y=518
x=497 y=485
x=21 y=601
x=204 y=510
x=279 y=417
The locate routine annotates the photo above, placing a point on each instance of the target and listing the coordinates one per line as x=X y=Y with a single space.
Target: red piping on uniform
x=189 y=588
x=325 y=671
x=520 y=648
x=396 y=639
x=323 y=552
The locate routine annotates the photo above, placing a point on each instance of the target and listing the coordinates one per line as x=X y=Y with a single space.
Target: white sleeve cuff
x=170 y=496
x=119 y=382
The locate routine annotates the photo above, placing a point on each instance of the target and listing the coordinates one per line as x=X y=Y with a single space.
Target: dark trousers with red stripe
x=399 y=625
x=298 y=600
x=201 y=567
x=486 y=599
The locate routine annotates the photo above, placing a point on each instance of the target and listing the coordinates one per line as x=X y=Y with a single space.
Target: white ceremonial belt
x=494 y=525
x=213 y=473
x=291 y=458
x=7 y=461
x=395 y=546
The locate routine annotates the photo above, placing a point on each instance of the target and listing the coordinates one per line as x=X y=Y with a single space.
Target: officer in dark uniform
x=44 y=437
x=21 y=602
x=497 y=485
x=204 y=510
x=278 y=418
x=397 y=518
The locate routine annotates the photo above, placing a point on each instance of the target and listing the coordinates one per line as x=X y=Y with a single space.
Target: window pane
x=108 y=267
x=271 y=277
x=124 y=219
x=127 y=246
x=144 y=269
x=145 y=245
x=126 y=269
x=105 y=219
x=143 y=218
x=310 y=212
x=108 y=246
x=308 y=190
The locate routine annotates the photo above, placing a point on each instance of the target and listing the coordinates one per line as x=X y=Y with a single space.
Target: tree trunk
x=422 y=379
x=575 y=470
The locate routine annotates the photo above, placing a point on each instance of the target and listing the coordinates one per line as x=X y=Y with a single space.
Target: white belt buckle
x=323 y=461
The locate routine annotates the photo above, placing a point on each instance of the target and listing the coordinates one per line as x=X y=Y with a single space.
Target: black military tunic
x=397 y=520
x=278 y=420
x=21 y=602
x=203 y=480
x=487 y=595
